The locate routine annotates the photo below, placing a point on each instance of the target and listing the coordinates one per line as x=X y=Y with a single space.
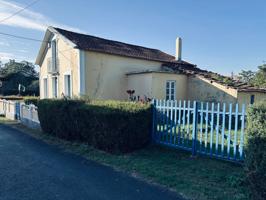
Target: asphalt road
x=32 y=169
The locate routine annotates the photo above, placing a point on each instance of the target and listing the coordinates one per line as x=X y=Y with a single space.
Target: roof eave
x=47 y=37
x=40 y=54
x=152 y=71
x=252 y=90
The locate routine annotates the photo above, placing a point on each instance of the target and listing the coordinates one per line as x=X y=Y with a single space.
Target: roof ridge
x=110 y=40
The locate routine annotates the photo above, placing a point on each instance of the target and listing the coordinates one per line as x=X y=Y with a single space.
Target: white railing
x=8 y=109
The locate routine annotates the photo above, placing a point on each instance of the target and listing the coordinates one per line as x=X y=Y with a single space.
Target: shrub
x=31 y=100
x=255 y=162
x=107 y=125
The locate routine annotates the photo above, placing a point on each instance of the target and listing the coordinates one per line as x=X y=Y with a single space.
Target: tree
x=260 y=77
x=254 y=78
x=14 y=73
x=247 y=76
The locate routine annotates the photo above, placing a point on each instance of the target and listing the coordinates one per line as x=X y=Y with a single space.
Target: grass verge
x=193 y=178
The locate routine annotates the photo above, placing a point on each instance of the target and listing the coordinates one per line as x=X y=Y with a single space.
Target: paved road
x=31 y=169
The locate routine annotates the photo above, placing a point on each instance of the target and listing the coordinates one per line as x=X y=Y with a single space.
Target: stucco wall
x=106 y=74
x=201 y=89
x=159 y=85
x=68 y=61
x=44 y=74
x=244 y=97
x=141 y=83
x=153 y=85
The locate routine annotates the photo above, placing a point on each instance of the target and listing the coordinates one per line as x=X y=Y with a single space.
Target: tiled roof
x=151 y=71
x=189 y=69
x=92 y=43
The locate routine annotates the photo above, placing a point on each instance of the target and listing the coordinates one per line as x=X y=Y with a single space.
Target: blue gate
x=201 y=127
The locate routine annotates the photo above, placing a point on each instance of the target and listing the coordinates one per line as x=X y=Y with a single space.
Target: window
x=252 y=99
x=55 y=87
x=170 y=90
x=67 y=83
x=54 y=56
x=45 y=88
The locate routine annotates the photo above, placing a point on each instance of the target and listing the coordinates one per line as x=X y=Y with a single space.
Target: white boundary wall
x=9 y=109
x=29 y=115
x=26 y=114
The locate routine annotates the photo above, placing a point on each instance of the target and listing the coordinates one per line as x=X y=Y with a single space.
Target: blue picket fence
x=213 y=129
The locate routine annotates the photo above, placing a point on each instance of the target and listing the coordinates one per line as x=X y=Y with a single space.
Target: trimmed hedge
x=12 y=98
x=111 y=126
x=255 y=161
x=31 y=100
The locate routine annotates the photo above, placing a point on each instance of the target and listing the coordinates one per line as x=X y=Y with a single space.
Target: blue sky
x=222 y=36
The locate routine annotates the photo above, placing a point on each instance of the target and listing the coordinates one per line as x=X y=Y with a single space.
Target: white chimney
x=178 y=50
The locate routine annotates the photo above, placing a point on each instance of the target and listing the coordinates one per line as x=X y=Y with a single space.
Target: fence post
x=31 y=113
x=153 y=120
x=17 y=110
x=21 y=111
x=5 y=107
x=195 y=128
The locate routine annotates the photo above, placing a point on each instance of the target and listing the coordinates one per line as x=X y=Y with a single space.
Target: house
x=74 y=65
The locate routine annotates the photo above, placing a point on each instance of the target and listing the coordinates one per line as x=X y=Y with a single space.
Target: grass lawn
x=193 y=178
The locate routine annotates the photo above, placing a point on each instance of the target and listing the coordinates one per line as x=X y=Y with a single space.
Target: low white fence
x=29 y=115
x=9 y=109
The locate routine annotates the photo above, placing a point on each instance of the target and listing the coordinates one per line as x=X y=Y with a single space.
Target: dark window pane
x=172 y=84
x=172 y=97
x=252 y=99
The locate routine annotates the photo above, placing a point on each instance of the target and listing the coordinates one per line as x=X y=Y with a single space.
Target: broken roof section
x=190 y=69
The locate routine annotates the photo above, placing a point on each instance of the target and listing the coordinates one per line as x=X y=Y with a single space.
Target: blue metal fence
x=212 y=129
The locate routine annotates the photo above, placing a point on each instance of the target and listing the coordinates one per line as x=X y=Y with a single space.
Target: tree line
x=257 y=78
x=18 y=78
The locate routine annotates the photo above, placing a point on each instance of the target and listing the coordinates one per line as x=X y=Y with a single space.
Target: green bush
x=31 y=100
x=255 y=161
x=107 y=125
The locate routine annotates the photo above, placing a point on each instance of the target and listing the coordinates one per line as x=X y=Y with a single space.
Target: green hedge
x=12 y=98
x=107 y=125
x=255 y=161
x=31 y=100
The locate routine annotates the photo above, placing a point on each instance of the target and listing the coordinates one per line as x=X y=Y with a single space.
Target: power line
x=19 y=11
x=27 y=38
x=35 y=40
x=22 y=37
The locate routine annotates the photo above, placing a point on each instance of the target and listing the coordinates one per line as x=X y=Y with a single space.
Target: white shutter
x=54 y=55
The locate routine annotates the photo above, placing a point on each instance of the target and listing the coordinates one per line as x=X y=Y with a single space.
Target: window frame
x=168 y=90
x=54 y=53
x=68 y=86
x=45 y=87
x=55 y=86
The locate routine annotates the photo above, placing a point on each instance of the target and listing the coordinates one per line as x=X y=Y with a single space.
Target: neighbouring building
x=74 y=64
